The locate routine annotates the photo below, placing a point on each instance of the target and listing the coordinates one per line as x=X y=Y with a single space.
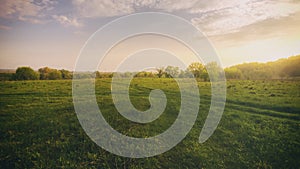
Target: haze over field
x=40 y=33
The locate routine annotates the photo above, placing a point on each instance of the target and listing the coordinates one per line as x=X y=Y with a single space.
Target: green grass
x=259 y=129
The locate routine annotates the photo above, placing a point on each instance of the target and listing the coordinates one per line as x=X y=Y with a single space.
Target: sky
x=39 y=33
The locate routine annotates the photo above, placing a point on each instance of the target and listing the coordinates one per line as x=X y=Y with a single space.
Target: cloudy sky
x=51 y=33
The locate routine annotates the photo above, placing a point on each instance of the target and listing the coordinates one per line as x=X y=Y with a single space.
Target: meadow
x=259 y=128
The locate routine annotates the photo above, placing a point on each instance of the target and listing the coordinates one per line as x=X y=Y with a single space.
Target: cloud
x=29 y=11
x=109 y=8
x=3 y=27
x=33 y=11
x=144 y=3
x=214 y=17
x=173 y=5
x=103 y=8
x=283 y=27
x=64 y=20
x=231 y=16
x=215 y=5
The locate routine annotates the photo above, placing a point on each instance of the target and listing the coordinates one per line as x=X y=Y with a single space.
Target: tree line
x=46 y=73
x=282 y=68
x=196 y=69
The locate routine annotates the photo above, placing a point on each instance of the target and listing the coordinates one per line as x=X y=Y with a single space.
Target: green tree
x=196 y=69
x=172 y=71
x=47 y=73
x=233 y=73
x=292 y=67
x=44 y=73
x=66 y=74
x=204 y=75
x=144 y=74
x=160 y=72
x=25 y=73
x=54 y=75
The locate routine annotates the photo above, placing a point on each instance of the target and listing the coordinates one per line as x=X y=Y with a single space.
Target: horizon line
x=246 y=62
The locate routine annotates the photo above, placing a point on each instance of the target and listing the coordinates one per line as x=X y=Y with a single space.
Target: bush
x=25 y=73
x=54 y=75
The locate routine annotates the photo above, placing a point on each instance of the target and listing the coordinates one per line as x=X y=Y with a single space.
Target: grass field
x=260 y=127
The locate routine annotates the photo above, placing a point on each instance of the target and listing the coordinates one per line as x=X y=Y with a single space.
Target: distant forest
x=280 y=69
